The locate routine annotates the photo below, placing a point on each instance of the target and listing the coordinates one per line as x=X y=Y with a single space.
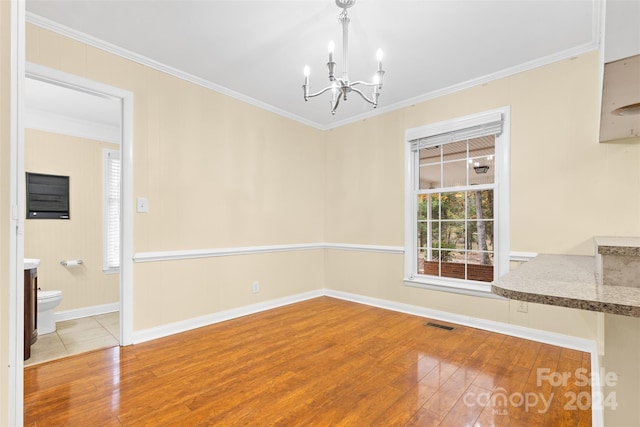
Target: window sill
x=111 y=271
x=477 y=289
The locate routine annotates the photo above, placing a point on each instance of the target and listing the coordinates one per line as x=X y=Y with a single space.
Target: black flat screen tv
x=47 y=196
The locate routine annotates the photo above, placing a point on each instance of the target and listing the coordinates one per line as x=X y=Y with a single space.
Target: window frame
x=501 y=202
x=107 y=155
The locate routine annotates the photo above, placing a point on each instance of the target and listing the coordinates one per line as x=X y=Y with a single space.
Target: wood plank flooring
x=316 y=363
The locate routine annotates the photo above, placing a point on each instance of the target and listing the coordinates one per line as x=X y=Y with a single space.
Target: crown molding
x=594 y=44
x=488 y=78
x=50 y=25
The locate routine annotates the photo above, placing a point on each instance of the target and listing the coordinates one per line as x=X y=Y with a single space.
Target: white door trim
x=60 y=78
x=16 y=220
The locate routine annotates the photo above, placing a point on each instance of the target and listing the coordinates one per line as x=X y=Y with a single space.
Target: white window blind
x=111 y=210
x=483 y=129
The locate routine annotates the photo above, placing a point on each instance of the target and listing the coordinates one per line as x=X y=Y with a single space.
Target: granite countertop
x=625 y=246
x=567 y=281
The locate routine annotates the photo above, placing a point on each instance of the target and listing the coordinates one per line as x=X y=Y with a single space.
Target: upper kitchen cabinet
x=620 y=110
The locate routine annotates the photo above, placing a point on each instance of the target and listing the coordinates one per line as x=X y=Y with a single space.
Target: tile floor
x=77 y=336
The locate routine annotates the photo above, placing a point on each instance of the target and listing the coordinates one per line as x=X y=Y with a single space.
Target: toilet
x=47 y=301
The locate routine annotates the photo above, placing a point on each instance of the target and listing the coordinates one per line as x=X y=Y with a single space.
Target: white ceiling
x=256 y=50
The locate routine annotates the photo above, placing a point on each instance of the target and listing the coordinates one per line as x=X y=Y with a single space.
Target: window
x=111 y=250
x=456 y=202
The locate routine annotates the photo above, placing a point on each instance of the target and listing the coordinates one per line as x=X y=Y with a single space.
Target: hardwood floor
x=320 y=362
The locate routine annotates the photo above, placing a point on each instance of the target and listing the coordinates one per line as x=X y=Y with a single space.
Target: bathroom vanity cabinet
x=30 y=309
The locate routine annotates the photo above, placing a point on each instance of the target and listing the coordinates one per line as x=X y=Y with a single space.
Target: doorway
x=73 y=137
x=104 y=96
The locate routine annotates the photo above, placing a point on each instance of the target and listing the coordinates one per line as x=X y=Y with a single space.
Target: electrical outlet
x=256 y=287
x=523 y=307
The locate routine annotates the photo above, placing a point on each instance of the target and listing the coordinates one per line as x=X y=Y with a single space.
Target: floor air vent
x=436 y=325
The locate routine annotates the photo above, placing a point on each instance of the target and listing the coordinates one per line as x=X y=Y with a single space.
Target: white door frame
x=16 y=219
x=125 y=97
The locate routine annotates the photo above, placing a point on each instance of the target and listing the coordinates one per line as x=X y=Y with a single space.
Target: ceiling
x=256 y=50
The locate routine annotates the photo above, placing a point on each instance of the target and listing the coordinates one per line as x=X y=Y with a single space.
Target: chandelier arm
x=360 y=82
x=335 y=106
x=319 y=93
x=370 y=101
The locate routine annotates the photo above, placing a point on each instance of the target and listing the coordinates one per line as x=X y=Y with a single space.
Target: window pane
x=421 y=260
x=453 y=264
x=453 y=235
x=480 y=266
x=423 y=206
x=423 y=234
x=430 y=155
x=480 y=235
x=480 y=172
x=482 y=146
x=483 y=235
x=431 y=267
x=445 y=255
x=435 y=206
x=481 y=160
x=456 y=256
x=454 y=174
x=435 y=234
x=430 y=176
x=480 y=258
x=455 y=150
x=480 y=204
x=453 y=205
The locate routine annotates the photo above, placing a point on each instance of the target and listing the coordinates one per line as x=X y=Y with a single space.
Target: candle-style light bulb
x=306 y=75
x=379 y=58
x=332 y=48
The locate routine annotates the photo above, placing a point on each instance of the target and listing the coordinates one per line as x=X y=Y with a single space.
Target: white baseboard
x=78 y=313
x=546 y=337
x=597 y=390
x=473 y=322
x=210 y=319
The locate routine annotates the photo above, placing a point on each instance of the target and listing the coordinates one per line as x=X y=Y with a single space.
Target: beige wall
x=80 y=237
x=5 y=203
x=565 y=188
x=217 y=173
x=210 y=285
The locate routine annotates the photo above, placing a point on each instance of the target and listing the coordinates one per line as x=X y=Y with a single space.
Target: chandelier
x=340 y=87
